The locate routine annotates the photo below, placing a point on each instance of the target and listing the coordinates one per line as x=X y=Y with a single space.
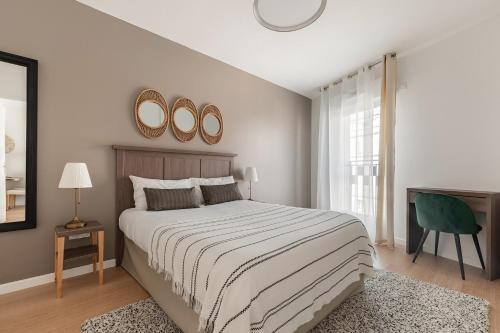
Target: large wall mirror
x=18 y=109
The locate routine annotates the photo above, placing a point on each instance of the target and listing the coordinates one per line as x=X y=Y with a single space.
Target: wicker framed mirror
x=211 y=124
x=151 y=113
x=184 y=119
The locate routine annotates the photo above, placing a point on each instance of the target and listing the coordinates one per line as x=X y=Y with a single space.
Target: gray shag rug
x=390 y=303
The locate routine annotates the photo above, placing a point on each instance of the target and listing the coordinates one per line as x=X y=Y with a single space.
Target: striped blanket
x=263 y=270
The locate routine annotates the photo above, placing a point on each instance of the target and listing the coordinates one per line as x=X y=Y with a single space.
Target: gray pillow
x=168 y=199
x=214 y=194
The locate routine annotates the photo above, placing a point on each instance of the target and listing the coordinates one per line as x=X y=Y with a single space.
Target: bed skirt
x=136 y=264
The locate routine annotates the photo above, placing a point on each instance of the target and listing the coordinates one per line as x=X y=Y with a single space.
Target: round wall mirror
x=184 y=119
x=211 y=124
x=151 y=113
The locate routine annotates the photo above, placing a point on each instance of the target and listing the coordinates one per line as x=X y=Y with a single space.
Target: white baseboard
x=49 y=278
x=447 y=250
x=399 y=242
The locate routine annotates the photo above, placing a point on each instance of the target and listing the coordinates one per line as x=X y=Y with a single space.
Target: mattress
x=246 y=266
x=138 y=225
x=135 y=262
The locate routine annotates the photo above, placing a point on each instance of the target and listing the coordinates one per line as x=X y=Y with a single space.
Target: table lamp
x=75 y=176
x=251 y=176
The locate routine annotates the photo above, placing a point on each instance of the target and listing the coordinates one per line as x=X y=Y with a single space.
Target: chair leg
x=459 y=253
x=478 y=248
x=421 y=244
x=436 y=244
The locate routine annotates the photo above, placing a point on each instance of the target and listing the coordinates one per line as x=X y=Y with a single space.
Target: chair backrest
x=445 y=213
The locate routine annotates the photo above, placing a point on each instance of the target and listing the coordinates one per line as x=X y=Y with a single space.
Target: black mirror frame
x=31 y=140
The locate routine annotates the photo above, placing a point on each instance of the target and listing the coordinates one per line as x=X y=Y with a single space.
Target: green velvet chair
x=443 y=213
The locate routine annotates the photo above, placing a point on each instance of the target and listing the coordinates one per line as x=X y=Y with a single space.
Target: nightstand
x=95 y=250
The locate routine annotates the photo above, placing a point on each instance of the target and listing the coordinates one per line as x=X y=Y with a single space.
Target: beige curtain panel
x=385 y=192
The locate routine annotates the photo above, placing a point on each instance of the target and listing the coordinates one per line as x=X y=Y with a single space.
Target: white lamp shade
x=251 y=174
x=75 y=175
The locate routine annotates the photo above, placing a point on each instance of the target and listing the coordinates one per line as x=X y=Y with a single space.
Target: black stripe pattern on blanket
x=263 y=270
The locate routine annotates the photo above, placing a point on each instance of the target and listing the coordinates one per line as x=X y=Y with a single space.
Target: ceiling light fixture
x=287 y=15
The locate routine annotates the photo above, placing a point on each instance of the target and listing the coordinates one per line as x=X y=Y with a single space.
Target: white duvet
x=246 y=266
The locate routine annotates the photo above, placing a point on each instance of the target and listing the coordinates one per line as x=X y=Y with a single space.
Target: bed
x=240 y=266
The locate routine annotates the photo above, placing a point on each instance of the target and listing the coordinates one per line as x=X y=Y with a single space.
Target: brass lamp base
x=75 y=223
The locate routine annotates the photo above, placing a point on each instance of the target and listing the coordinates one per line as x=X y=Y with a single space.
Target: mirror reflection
x=184 y=119
x=12 y=142
x=151 y=114
x=211 y=124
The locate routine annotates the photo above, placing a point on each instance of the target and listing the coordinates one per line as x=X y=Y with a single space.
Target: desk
x=479 y=201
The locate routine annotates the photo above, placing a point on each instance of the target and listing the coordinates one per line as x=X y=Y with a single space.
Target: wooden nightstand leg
x=100 y=238
x=59 y=270
x=93 y=236
x=55 y=258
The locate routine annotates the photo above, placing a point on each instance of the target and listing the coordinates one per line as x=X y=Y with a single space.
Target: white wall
x=13 y=99
x=447 y=125
x=15 y=127
x=12 y=81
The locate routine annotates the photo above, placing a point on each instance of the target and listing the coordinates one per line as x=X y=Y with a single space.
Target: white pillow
x=140 y=183
x=196 y=182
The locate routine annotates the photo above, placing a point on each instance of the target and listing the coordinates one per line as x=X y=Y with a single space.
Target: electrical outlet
x=72 y=237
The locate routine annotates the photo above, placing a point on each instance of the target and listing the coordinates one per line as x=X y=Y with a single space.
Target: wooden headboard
x=161 y=164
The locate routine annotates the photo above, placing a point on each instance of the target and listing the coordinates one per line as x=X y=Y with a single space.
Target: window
x=349 y=136
x=348 y=149
x=362 y=160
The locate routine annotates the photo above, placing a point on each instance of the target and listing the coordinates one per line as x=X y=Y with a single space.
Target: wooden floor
x=15 y=214
x=37 y=309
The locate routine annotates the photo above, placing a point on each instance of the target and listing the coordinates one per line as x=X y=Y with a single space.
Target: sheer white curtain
x=348 y=145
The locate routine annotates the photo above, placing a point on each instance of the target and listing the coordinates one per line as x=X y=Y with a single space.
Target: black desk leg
x=413 y=232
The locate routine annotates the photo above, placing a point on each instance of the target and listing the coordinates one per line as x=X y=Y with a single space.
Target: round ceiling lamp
x=287 y=15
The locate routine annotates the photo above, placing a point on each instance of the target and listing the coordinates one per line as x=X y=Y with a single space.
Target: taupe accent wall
x=91 y=68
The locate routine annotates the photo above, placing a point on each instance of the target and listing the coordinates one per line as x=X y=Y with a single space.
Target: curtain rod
x=353 y=74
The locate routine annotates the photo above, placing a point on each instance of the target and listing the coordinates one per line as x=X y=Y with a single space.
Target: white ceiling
x=350 y=33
